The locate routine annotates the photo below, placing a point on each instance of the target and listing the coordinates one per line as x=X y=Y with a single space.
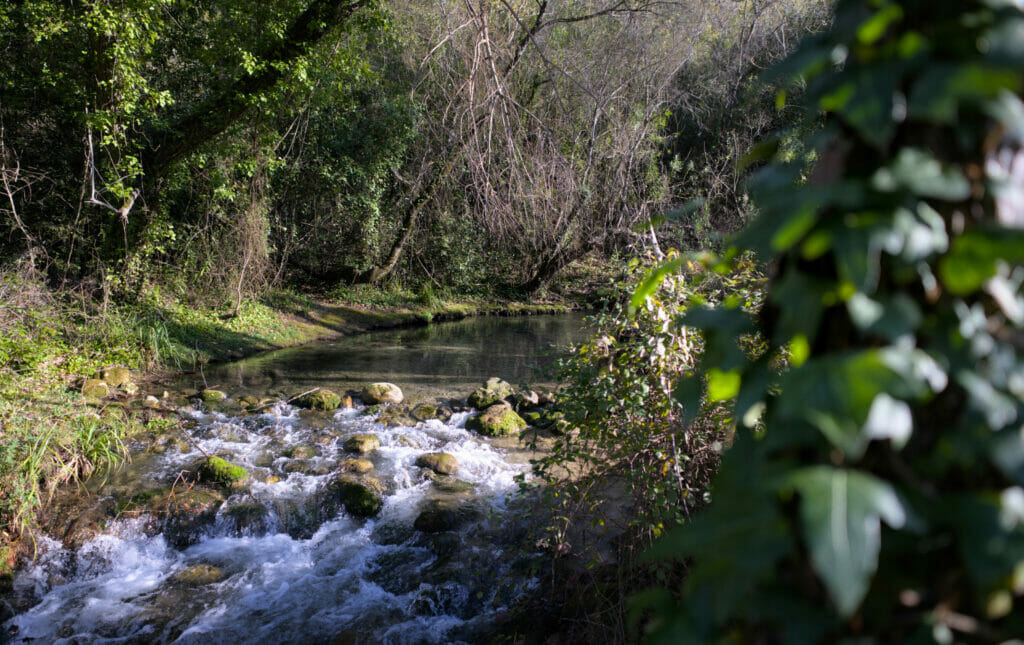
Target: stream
x=281 y=559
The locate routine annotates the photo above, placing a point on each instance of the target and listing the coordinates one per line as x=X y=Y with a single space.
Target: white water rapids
x=280 y=579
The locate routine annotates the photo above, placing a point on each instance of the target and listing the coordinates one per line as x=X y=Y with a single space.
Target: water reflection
x=447 y=359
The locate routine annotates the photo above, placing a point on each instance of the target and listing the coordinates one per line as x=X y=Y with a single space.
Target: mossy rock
x=199 y=575
x=445 y=515
x=492 y=392
x=395 y=416
x=221 y=472
x=361 y=497
x=526 y=400
x=375 y=393
x=300 y=452
x=117 y=376
x=362 y=443
x=212 y=396
x=305 y=467
x=425 y=412
x=322 y=399
x=499 y=420
x=188 y=513
x=441 y=463
x=372 y=409
x=95 y=388
x=358 y=466
x=452 y=486
x=248 y=518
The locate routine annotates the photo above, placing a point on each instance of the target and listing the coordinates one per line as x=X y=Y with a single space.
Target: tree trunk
x=375 y=274
x=548 y=268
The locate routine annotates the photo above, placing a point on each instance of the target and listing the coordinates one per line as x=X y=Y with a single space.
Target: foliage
x=624 y=428
x=883 y=501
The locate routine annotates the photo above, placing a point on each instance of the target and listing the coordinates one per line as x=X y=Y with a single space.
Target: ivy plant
x=875 y=488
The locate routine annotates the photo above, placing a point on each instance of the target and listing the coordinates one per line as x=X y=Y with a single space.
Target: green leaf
x=874 y=27
x=652 y=281
x=841 y=513
x=723 y=386
x=919 y=172
x=990 y=535
x=865 y=101
x=835 y=394
x=939 y=92
x=974 y=256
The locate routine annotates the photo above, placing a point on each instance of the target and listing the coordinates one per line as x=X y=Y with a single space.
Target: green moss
x=212 y=396
x=322 y=399
x=360 y=497
x=223 y=473
x=499 y=420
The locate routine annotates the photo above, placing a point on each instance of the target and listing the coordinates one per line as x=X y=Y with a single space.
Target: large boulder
x=526 y=400
x=499 y=420
x=362 y=497
x=322 y=399
x=187 y=513
x=493 y=391
x=441 y=463
x=381 y=393
x=362 y=443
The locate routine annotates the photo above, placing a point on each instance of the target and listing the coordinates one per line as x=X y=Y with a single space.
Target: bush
x=624 y=428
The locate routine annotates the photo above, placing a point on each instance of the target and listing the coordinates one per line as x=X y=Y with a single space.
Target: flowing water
x=279 y=561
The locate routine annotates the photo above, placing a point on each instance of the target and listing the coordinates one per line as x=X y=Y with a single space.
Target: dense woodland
x=810 y=369
x=210 y=150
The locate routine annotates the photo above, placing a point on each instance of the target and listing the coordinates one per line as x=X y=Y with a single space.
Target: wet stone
x=200 y=574
x=441 y=463
x=212 y=396
x=362 y=443
x=381 y=393
x=322 y=399
x=301 y=452
x=447 y=514
x=358 y=466
x=361 y=497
